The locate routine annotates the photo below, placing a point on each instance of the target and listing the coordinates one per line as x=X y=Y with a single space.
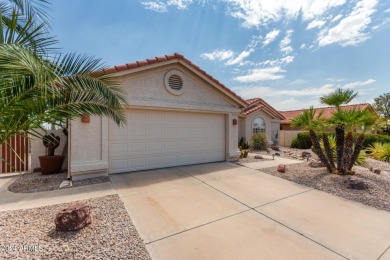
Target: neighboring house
x=259 y=117
x=177 y=114
x=327 y=113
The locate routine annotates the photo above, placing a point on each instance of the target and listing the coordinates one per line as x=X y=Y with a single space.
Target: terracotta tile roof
x=177 y=56
x=257 y=104
x=327 y=111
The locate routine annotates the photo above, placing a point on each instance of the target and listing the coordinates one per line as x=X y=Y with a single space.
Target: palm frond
x=338 y=97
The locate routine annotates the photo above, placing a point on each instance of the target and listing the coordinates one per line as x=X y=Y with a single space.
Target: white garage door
x=157 y=139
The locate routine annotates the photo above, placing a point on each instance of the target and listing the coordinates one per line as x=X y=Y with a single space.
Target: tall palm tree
x=39 y=86
x=308 y=120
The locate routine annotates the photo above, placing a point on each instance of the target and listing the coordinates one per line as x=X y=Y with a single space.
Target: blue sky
x=286 y=52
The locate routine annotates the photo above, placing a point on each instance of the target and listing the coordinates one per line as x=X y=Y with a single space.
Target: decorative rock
x=275 y=148
x=281 y=168
x=377 y=171
x=258 y=157
x=306 y=155
x=38 y=169
x=277 y=154
x=355 y=184
x=74 y=217
x=316 y=164
x=371 y=169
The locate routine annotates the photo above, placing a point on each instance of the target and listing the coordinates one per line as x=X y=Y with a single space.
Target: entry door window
x=258 y=125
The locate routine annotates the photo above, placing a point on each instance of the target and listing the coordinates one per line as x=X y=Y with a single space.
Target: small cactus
x=51 y=142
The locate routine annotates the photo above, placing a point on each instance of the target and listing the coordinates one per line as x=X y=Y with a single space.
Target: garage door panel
x=154 y=139
x=136 y=131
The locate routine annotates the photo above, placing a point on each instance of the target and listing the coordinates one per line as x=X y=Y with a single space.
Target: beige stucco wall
x=89 y=146
x=38 y=149
x=146 y=90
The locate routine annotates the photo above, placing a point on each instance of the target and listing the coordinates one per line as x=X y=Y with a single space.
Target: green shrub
x=371 y=139
x=302 y=141
x=243 y=144
x=259 y=141
x=244 y=153
x=295 y=143
x=380 y=151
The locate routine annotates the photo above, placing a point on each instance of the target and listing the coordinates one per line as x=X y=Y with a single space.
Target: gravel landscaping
x=376 y=195
x=31 y=234
x=36 y=182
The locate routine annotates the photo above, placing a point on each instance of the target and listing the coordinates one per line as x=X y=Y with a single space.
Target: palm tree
x=39 y=86
x=337 y=98
x=308 y=120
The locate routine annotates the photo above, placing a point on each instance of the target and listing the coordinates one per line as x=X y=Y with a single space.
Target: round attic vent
x=174 y=82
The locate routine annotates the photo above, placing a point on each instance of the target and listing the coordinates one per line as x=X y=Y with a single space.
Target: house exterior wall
x=268 y=124
x=146 y=90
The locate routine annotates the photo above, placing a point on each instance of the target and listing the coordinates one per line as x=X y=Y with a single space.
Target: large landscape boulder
x=74 y=217
x=281 y=168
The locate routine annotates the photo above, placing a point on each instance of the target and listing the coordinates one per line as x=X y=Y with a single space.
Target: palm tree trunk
x=318 y=150
x=348 y=146
x=340 y=148
x=328 y=151
x=356 y=151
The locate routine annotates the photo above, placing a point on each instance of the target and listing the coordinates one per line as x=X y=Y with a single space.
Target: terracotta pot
x=51 y=164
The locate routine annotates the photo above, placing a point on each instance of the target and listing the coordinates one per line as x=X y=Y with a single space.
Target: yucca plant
x=259 y=141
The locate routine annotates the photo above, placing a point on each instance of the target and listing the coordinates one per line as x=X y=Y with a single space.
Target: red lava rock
x=74 y=217
x=281 y=168
x=377 y=171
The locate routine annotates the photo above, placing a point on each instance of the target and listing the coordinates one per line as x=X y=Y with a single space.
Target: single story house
x=259 y=117
x=177 y=114
x=285 y=124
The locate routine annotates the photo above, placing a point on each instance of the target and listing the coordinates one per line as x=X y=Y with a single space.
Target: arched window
x=258 y=125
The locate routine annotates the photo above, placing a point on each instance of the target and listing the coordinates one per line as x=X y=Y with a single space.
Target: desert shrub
x=302 y=141
x=294 y=143
x=380 y=151
x=371 y=139
x=259 y=141
x=244 y=153
x=243 y=144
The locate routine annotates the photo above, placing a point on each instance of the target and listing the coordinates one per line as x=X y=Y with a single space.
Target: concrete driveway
x=226 y=211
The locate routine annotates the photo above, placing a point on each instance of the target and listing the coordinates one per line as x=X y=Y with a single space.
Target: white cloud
x=270 y=37
x=302 y=46
x=278 y=62
x=255 y=13
x=155 y=6
x=219 y=55
x=315 y=24
x=387 y=10
x=335 y=80
x=285 y=43
x=325 y=89
x=336 y=18
x=352 y=29
x=359 y=83
x=239 y=59
x=271 y=73
x=298 y=82
x=162 y=6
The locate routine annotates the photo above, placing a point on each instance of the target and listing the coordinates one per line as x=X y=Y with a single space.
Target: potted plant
x=51 y=163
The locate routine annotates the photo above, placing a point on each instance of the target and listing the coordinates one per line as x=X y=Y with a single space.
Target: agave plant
x=380 y=151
